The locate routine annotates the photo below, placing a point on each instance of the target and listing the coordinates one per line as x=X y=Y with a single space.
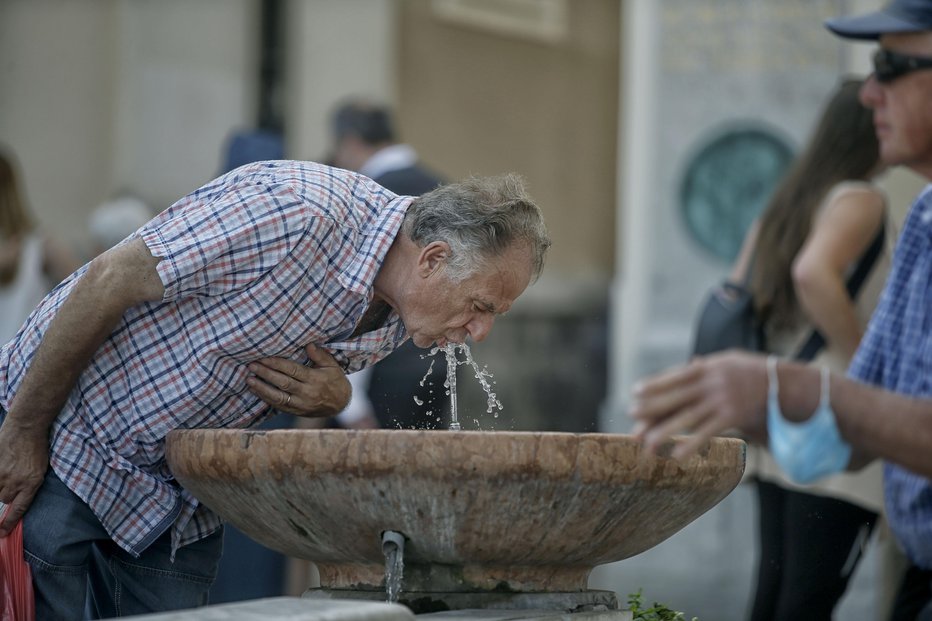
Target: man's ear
x=432 y=257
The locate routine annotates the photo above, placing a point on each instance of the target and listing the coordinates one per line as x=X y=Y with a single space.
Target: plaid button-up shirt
x=260 y=262
x=896 y=353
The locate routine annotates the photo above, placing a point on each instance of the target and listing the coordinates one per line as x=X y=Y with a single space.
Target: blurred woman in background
x=824 y=215
x=30 y=263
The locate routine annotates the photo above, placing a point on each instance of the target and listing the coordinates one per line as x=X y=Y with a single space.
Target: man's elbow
x=125 y=276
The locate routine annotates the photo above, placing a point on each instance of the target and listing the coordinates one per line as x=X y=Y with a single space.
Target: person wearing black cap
x=818 y=423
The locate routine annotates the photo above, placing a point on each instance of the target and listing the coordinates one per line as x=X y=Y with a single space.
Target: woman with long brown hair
x=820 y=221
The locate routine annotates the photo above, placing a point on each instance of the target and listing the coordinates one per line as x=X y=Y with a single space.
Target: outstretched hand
x=320 y=389
x=706 y=397
x=24 y=460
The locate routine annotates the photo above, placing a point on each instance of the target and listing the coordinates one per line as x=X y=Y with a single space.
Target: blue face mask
x=809 y=450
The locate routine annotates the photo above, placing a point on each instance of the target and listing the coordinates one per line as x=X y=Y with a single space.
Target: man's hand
x=24 y=460
x=319 y=390
x=706 y=397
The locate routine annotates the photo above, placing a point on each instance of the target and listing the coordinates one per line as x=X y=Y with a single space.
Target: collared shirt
x=896 y=353
x=260 y=262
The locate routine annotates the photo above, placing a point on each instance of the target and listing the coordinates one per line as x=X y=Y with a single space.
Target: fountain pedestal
x=496 y=513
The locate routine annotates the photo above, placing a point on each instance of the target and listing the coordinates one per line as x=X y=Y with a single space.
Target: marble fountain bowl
x=514 y=511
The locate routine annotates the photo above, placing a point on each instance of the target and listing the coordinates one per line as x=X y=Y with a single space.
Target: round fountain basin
x=514 y=511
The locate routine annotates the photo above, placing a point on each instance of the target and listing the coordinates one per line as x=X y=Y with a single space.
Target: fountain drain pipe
x=393 y=547
x=393 y=541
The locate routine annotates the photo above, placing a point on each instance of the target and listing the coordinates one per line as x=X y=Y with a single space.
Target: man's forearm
x=82 y=324
x=75 y=333
x=72 y=338
x=888 y=425
x=118 y=279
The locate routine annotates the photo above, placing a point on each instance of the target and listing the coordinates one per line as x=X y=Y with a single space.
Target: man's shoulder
x=919 y=216
x=324 y=189
x=297 y=173
x=925 y=195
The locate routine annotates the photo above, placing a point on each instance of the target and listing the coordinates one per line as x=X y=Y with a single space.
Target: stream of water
x=394 y=571
x=451 y=353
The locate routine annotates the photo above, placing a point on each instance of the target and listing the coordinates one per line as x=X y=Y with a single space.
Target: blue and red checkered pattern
x=260 y=262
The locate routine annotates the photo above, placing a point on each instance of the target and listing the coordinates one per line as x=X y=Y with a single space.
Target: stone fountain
x=485 y=519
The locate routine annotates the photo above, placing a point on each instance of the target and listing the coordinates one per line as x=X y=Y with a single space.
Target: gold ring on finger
x=288 y=400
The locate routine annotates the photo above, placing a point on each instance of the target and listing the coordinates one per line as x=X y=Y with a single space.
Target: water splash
x=430 y=369
x=494 y=406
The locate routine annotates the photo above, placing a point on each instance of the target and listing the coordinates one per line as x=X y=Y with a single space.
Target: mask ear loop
x=773 y=384
x=825 y=400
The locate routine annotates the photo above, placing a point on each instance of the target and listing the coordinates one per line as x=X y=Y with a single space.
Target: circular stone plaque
x=728 y=183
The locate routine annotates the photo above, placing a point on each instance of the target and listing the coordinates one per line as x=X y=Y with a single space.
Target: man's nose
x=870 y=91
x=480 y=327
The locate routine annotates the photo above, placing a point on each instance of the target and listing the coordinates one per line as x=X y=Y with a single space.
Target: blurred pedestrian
x=114 y=220
x=822 y=220
x=31 y=262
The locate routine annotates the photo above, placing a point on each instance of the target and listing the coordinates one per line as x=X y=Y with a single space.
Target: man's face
x=436 y=310
x=903 y=108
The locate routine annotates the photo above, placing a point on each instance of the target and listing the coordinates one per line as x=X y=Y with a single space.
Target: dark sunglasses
x=888 y=66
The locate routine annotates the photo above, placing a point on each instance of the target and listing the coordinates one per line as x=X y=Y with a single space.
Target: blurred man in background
x=389 y=393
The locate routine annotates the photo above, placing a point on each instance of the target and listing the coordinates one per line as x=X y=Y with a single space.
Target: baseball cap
x=895 y=16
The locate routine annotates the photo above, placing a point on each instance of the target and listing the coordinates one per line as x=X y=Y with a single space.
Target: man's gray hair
x=479 y=219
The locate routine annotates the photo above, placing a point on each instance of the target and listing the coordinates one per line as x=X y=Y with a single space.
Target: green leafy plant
x=657 y=612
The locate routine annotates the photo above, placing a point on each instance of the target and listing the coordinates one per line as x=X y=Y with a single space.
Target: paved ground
x=707 y=569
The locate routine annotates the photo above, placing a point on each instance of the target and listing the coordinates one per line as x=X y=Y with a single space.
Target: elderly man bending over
x=258 y=292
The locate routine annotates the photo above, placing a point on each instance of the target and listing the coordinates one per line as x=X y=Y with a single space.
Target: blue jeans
x=77 y=568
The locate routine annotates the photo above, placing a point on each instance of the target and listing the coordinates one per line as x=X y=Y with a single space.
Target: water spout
x=450 y=351
x=393 y=547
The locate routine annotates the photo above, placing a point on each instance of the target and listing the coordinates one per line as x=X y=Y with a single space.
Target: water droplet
x=429 y=369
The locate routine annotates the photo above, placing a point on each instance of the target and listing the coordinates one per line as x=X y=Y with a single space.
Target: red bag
x=17 y=602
